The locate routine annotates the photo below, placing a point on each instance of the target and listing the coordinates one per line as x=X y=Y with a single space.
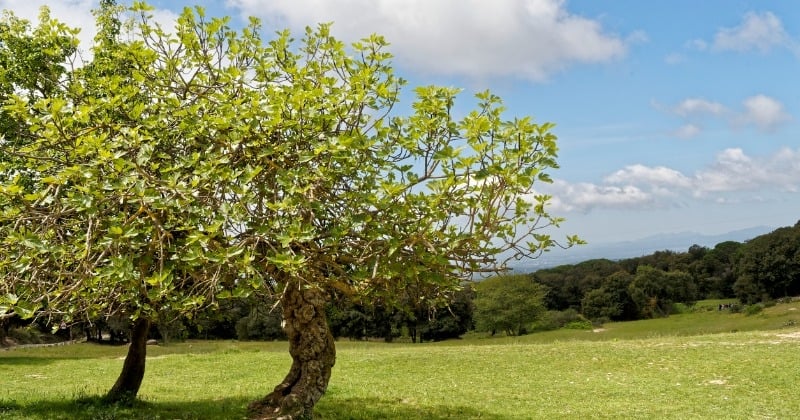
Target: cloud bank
x=526 y=39
x=758 y=32
x=762 y=112
x=644 y=187
x=76 y=14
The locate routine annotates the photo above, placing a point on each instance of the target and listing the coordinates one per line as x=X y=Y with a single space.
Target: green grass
x=706 y=364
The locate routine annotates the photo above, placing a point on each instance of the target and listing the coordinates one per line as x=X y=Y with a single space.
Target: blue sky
x=671 y=116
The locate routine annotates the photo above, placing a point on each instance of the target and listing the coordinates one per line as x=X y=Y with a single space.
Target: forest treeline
x=763 y=269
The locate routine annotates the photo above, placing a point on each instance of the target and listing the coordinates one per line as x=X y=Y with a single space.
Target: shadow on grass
x=87 y=408
x=373 y=408
x=44 y=359
x=24 y=360
x=228 y=409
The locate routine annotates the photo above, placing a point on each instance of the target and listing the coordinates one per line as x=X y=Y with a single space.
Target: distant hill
x=679 y=242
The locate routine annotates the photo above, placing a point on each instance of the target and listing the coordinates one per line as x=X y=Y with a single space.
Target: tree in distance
x=768 y=266
x=508 y=303
x=175 y=168
x=654 y=291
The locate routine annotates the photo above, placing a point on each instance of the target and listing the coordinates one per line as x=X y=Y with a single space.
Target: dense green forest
x=761 y=270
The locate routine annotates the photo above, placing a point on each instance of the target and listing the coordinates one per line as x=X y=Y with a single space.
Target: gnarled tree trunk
x=130 y=379
x=4 y=327
x=313 y=356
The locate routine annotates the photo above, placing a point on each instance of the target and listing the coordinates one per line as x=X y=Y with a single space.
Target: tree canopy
x=768 y=266
x=179 y=166
x=508 y=303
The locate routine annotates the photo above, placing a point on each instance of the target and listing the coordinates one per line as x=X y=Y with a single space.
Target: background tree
x=219 y=321
x=262 y=323
x=718 y=267
x=218 y=165
x=654 y=290
x=32 y=67
x=117 y=219
x=453 y=320
x=567 y=284
x=600 y=304
x=431 y=314
x=508 y=303
x=768 y=266
x=6 y=320
x=617 y=285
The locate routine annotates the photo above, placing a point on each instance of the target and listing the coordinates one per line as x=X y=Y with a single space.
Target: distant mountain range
x=679 y=242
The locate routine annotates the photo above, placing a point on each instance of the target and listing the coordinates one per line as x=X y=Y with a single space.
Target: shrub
x=25 y=335
x=753 y=309
x=598 y=322
x=553 y=320
x=579 y=325
x=260 y=325
x=547 y=322
x=31 y=334
x=680 y=308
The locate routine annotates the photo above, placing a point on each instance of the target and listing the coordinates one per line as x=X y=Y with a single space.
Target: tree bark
x=313 y=352
x=4 y=328
x=130 y=379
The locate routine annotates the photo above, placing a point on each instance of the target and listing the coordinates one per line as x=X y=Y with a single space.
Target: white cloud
x=732 y=171
x=583 y=197
x=652 y=176
x=687 y=131
x=76 y=14
x=691 y=107
x=697 y=44
x=732 y=178
x=638 y=37
x=529 y=39
x=760 y=32
x=761 y=111
x=674 y=58
x=693 y=111
x=764 y=112
x=735 y=171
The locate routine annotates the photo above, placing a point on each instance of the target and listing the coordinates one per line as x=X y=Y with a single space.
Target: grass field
x=706 y=364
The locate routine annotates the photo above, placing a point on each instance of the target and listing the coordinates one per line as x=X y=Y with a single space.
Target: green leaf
x=287 y=261
x=25 y=310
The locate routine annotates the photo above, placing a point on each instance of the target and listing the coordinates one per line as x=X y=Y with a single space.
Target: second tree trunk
x=313 y=352
x=130 y=379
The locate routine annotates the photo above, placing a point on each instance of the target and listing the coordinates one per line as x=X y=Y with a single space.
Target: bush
x=260 y=325
x=753 y=309
x=169 y=329
x=680 y=308
x=443 y=328
x=553 y=320
x=31 y=334
x=579 y=325
x=25 y=335
x=547 y=322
